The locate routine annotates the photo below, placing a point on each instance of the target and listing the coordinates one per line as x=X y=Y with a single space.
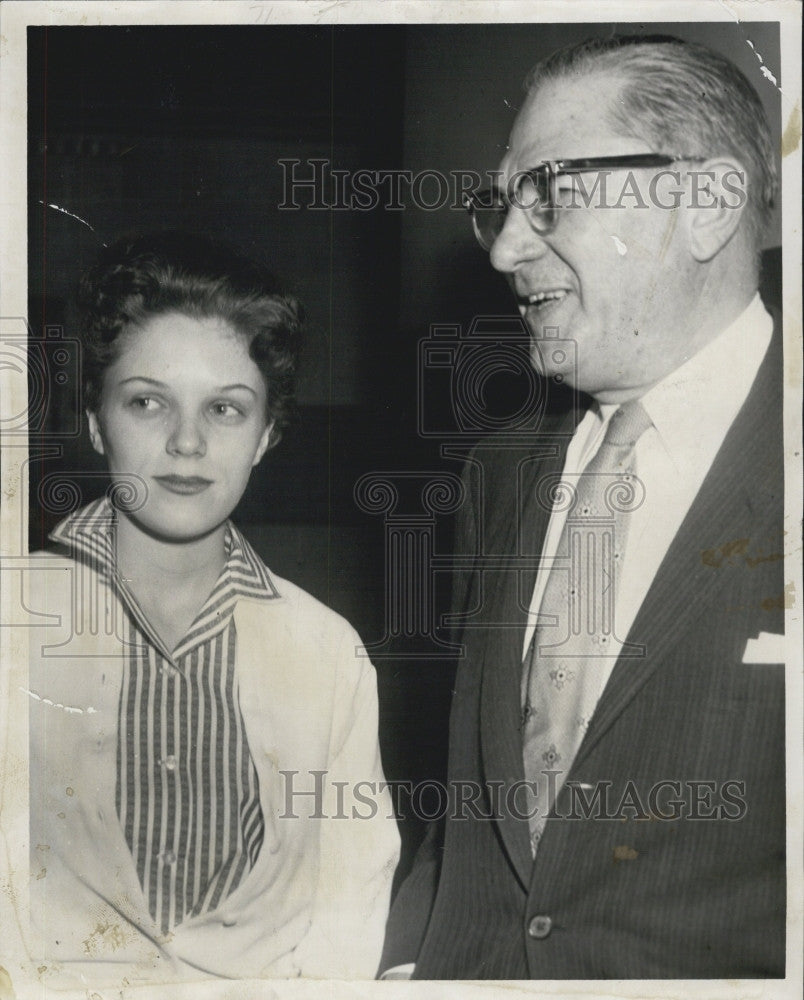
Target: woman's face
x=184 y=408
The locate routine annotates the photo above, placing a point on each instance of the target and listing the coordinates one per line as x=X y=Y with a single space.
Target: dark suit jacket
x=624 y=892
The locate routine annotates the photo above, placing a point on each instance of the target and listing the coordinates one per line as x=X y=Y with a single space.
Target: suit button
x=229 y=920
x=540 y=927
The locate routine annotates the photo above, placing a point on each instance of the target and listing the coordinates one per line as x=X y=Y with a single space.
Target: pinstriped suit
x=639 y=895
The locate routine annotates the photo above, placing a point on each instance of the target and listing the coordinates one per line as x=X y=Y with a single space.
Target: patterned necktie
x=562 y=676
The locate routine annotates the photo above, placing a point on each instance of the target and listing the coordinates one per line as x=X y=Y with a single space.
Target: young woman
x=206 y=788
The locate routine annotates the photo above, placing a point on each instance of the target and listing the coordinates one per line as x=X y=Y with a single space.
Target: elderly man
x=617 y=766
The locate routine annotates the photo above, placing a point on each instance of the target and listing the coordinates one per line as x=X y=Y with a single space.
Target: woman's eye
x=226 y=410
x=145 y=403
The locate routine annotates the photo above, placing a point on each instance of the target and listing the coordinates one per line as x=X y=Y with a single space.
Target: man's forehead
x=566 y=117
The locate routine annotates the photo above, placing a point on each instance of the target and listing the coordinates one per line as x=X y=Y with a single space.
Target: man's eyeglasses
x=536 y=192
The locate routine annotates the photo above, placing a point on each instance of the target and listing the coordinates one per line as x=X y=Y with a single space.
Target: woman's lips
x=185 y=485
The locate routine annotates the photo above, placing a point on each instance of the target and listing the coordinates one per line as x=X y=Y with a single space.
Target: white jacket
x=316 y=901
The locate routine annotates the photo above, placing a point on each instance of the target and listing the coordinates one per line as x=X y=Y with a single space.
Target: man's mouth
x=539 y=299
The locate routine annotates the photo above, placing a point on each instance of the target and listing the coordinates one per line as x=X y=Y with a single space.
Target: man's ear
x=717 y=195
x=95 y=435
x=265 y=443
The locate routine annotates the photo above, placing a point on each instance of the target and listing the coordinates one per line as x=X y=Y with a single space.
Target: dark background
x=135 y=129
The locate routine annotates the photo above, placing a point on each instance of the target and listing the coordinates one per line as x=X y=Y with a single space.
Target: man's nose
x=517 y=243
x=187 y=436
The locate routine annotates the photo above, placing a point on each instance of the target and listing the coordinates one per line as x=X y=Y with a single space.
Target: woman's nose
x=187 y=437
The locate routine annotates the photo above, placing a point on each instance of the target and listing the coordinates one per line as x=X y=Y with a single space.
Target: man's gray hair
x=680 y=97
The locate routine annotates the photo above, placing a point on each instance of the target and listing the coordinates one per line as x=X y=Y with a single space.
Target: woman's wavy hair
x=140 y=277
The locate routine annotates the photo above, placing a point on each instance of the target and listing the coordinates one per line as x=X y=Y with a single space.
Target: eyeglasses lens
x=533 y=193
x=488 y=216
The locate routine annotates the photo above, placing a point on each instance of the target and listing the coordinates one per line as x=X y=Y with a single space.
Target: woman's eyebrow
x=142 y=378
x=162 y=385
x=237 y=385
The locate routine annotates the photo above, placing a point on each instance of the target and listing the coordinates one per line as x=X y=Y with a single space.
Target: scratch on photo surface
x=326 y=10
x=765 y=71
x=622 y=249
x=763 y=67
x=728 y=10
x=57 y=704
x=64 y=211
x=762 y=64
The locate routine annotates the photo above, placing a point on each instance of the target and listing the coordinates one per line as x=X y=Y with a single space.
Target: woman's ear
x=718 y=195
x=265 y=443
x=95 y=435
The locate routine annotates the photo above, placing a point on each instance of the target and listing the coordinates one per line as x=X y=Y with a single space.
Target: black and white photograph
x=401 y=500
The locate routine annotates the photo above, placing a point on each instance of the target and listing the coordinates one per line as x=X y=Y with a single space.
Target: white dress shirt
x=692 y=410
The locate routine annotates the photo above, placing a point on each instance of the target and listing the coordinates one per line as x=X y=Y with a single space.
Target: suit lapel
x=515 y=535
x=740 y=493
x=738 y=488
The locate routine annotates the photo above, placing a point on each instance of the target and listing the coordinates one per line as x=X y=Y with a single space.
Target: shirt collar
x=248 y=574
x=89 y=534
x=693 y=407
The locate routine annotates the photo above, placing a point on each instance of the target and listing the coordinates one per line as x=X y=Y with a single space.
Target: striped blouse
x=187 y=789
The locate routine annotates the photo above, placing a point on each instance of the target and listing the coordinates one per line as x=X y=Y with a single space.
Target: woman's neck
x=141 y=555
x=170 y=580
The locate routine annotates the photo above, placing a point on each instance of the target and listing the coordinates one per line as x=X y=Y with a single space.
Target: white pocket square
x=768 y=647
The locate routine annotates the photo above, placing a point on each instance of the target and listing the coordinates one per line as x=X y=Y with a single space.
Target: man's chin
x=554 y=359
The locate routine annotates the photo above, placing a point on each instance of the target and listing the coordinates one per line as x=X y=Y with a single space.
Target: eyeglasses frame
x=553 y=170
